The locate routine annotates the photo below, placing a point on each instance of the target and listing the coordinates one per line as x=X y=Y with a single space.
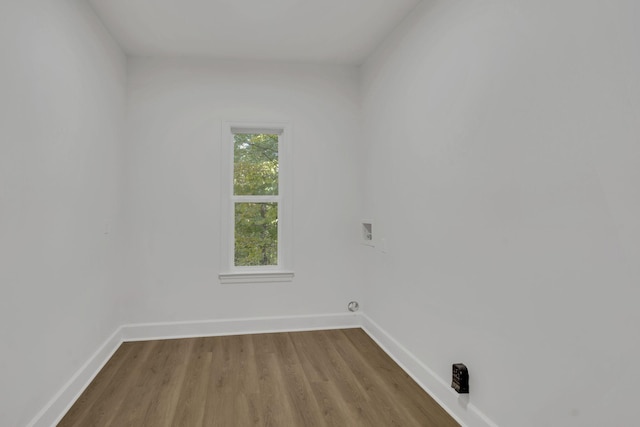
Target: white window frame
x=283 y=272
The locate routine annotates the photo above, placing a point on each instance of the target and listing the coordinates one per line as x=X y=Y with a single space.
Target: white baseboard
x=458 y=406
x=53 y=412
x=257 y=325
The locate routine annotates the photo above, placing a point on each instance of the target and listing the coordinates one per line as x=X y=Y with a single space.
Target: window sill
x=257 y=277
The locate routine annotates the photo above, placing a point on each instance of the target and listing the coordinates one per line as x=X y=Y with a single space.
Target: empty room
x=319 y=213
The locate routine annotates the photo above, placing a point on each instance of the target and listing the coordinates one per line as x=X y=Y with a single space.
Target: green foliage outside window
x=255 y=173
x=255 y=165
x=256 y=237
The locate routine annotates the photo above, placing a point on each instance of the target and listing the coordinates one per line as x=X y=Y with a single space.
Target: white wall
x=501 y=148
x=503 y=171
x=176 y=109
x=62 y=83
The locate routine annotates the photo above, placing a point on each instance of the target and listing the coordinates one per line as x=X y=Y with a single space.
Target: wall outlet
x=460 y=378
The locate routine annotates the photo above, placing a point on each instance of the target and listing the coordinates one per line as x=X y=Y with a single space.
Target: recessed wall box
x=367 y=232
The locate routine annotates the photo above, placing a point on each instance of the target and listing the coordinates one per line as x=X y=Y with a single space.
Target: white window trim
x=283 y=272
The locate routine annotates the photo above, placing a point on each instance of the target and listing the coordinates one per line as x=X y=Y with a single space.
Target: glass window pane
x=255 y=164
x=256 y=234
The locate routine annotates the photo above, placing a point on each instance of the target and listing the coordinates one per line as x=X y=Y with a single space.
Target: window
x=256 y=209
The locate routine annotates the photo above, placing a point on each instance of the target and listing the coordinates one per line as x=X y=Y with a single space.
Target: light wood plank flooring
x=321 y=378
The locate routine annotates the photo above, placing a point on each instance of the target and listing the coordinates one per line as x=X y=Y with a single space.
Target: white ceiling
x=331 y=31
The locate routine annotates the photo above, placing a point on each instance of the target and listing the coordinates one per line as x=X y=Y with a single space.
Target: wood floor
x=321 y=378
